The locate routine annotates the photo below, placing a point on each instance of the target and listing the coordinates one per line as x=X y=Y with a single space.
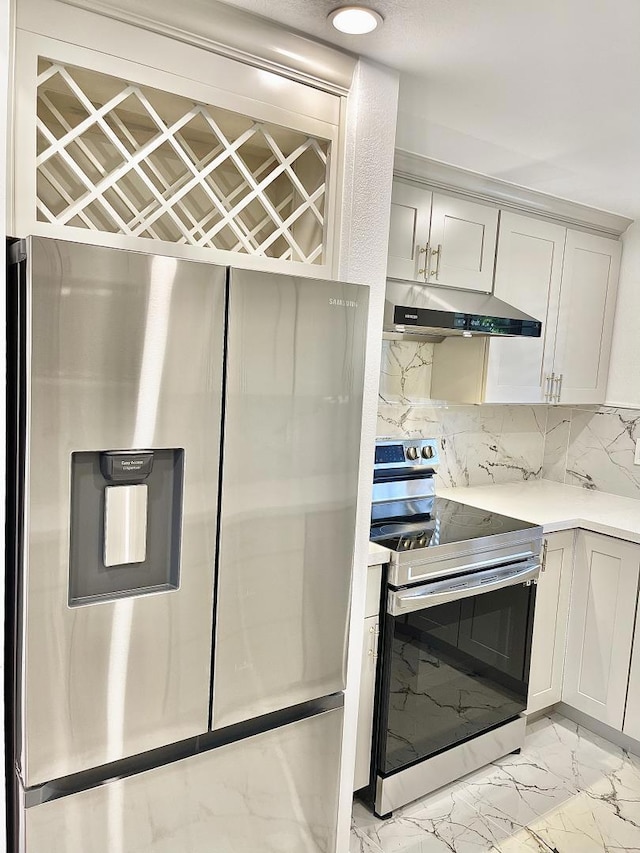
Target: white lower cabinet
x=601 y=625
x=550 y=622
x=365 y=708
x=368 y=679
x=631 y=725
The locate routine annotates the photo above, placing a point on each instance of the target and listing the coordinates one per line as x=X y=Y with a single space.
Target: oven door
x=455 y=661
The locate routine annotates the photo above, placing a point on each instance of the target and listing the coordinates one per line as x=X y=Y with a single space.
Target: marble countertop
x=377 y=554
x=556 y=506
x=553 y=505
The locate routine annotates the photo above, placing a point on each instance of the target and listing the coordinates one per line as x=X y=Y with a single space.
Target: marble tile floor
x=569 y=791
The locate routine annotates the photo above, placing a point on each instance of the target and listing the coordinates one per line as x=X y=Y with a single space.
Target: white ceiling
x=543 y=93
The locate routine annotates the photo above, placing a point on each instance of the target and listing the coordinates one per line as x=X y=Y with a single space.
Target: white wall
x=371 y=120
x=624 y=369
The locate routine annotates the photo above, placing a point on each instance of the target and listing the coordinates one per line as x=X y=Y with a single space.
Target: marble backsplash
x=478 y=444
x=592 y=447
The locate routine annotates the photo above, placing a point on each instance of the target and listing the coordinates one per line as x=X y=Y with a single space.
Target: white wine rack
x=117 y=157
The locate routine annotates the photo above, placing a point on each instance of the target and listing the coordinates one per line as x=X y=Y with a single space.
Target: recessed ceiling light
x=355 y=20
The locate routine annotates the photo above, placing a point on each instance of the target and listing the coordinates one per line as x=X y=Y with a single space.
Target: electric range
x=456 y=623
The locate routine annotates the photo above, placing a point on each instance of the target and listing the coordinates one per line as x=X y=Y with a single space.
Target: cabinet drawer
x=374 y=579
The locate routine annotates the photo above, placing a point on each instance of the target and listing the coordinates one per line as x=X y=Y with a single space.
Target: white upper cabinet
x=462 y=244
x=585 y=321
x=568 y=280
x=601 y=619
x=565 y=278
x=408 y=232
x=440 y=239
x=528 y=276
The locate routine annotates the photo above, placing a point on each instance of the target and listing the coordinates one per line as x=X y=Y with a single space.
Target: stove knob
x=428 y=452
x=412 y=453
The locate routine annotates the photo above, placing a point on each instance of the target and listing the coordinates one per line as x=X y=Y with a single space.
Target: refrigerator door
x=271 y=793
x=124 y=352
x=290 y=475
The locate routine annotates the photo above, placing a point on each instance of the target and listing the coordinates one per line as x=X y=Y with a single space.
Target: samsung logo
x=345 y=303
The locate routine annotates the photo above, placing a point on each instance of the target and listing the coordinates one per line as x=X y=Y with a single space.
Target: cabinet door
x=601 y=618
x=585 y=321
x=632 y=711
x=462 y=243
x=408 y=232
x=365 y=708
x=528 y=273
x=550 y=622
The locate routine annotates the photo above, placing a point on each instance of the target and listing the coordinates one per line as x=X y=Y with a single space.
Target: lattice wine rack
x=117 y=157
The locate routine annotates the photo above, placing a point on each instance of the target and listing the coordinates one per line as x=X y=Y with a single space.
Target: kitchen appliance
x=456 y=626
x=428 y=313
x=181 y=526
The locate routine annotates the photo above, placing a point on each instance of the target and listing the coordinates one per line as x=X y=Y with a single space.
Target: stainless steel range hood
x=421 y=312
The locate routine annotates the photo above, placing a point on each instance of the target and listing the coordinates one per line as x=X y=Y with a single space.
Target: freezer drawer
x=289 y=490
x=124 y=353
x=271 y=793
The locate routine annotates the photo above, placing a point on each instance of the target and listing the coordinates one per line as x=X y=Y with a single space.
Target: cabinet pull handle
x=543 y=562
x=438 y=253
x=559 y=387
x=424 y=250
x=556 y=387
x=373 y=650
x=548 y=396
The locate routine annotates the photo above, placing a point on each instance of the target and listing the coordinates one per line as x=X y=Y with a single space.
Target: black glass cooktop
x=449 y=522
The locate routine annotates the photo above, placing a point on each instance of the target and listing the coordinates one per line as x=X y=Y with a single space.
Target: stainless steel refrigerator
x=183 y=460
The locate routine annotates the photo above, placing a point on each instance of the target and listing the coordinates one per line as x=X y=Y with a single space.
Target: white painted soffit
x=444 y=176
x=234 y=33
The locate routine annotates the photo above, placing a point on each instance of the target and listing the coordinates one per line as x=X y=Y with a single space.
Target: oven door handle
x=453 y=589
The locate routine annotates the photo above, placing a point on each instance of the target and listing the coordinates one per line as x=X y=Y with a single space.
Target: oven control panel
x=406 y=453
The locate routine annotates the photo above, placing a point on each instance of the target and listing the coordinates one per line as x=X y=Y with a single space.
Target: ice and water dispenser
x=126 y=511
